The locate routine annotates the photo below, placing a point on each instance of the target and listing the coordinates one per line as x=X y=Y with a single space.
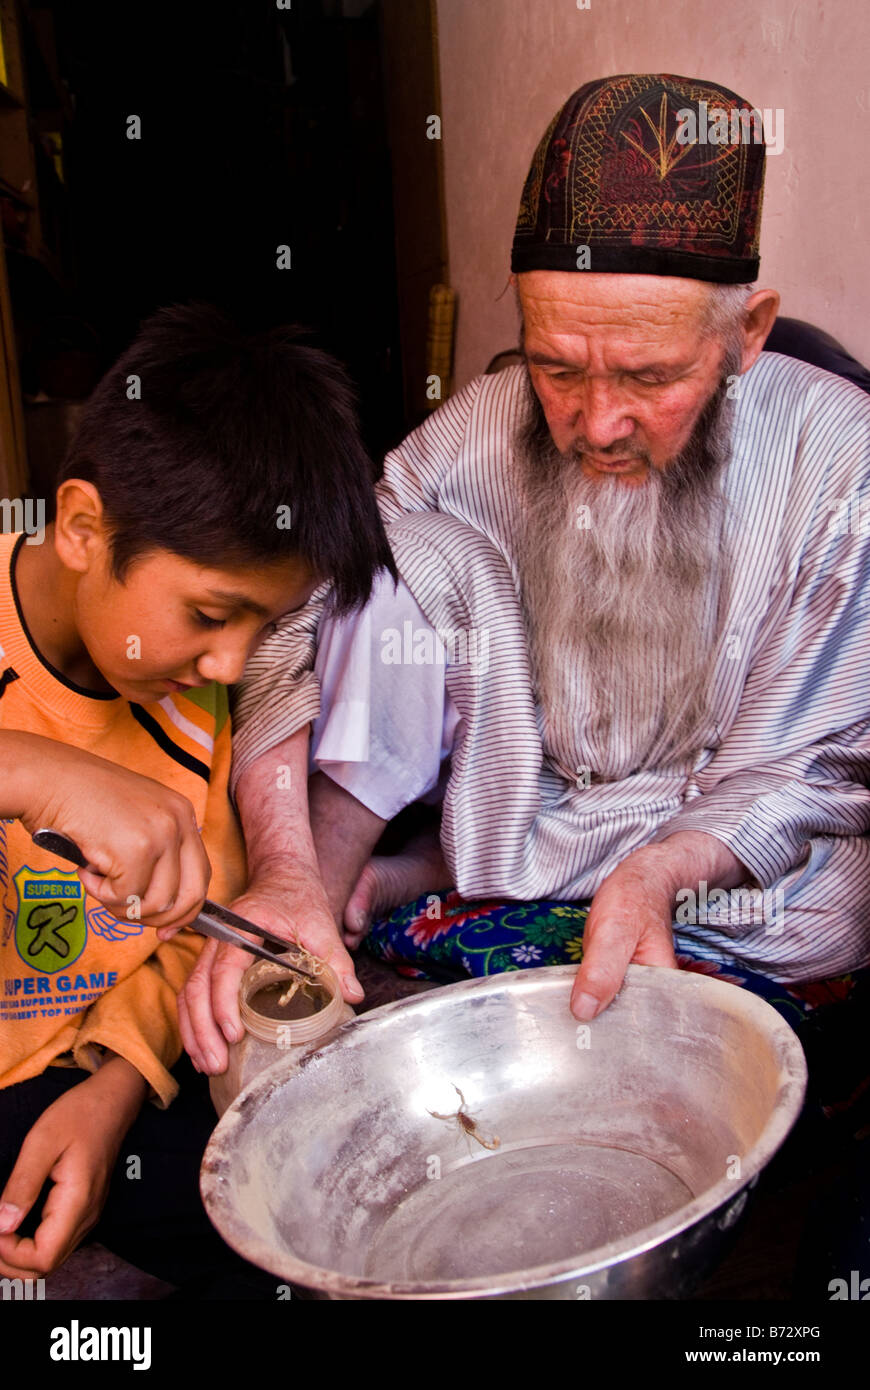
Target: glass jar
x=307 y=1021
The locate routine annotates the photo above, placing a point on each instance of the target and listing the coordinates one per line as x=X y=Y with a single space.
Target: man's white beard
x=624 y=601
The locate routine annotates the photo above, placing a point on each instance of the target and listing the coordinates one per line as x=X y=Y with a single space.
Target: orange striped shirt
x=75 y=979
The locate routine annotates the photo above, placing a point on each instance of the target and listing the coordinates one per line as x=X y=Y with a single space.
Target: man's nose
x=603 y=416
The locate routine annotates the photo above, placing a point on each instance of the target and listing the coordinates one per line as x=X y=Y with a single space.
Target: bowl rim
x=732 y=999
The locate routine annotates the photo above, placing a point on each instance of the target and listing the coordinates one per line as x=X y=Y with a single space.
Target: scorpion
x=466 y=1123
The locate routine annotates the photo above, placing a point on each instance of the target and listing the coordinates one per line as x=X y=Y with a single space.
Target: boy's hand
x=74 y=1142
x=208 y=1006
x=141 y=836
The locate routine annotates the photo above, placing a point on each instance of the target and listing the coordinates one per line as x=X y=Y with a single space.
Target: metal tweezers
x=215 y=921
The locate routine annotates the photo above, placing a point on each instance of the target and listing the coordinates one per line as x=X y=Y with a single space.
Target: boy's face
x=173 y=623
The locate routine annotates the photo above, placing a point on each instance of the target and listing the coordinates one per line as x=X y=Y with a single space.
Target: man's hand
x=141 y=837
x=285 y=894
x=208 y=1006
x=632 y=912
x=75 y=1142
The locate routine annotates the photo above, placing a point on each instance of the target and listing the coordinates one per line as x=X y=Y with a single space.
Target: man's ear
x=79 y=527
x=761 y=311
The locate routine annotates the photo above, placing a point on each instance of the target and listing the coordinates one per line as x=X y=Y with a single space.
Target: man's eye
x=205 y=621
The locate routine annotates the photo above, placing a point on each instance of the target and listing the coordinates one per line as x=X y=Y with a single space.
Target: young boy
x=216 y=479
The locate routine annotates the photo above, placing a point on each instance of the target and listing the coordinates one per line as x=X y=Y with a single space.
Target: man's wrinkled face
x=620 y=364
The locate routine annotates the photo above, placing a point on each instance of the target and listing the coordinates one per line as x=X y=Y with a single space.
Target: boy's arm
x=75 y=1142
x=144 y=840
x=141 y=836
x=129 y=1038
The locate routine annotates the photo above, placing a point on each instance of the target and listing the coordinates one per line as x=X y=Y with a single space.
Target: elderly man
x=630 y=640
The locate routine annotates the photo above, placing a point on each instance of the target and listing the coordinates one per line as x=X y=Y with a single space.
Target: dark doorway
x=261 y=128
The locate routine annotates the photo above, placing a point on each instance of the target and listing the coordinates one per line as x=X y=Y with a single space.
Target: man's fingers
x=607 y=953
x=188 y=1040
x=317 y=933
x=353 y=940
x=354 y=929
x=351 y=989
x=339 y=959
x=656 y=948
x=208 y=1006
x=609 y=947
x=229 y=966
x=199 y=1031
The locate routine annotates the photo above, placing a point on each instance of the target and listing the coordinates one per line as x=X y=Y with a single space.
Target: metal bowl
x=607 y=1160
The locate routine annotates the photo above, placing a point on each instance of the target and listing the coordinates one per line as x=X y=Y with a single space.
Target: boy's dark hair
x=231 y=427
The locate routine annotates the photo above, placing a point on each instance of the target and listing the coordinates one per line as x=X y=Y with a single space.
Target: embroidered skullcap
x=652 y=175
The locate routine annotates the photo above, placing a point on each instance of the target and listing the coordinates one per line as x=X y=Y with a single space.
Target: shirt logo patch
x=50 y=927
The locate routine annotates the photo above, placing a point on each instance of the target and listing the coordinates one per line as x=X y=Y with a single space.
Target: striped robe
x=783 y=780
